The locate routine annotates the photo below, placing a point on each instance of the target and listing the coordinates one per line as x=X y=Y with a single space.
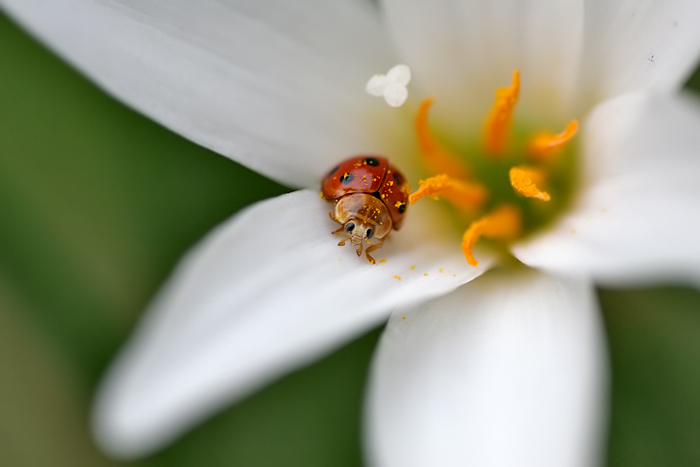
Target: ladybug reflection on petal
x=370 y=199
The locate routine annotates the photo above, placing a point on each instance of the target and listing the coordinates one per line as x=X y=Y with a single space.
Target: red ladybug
x=371 y=198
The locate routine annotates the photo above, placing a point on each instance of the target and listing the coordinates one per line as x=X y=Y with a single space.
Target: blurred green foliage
x=97 y=203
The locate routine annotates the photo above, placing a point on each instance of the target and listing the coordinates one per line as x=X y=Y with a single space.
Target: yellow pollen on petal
x=499 y=119
x=467 y=196
x=525 y=179
x=504 y=223
x=544 y=145
x=437 y=158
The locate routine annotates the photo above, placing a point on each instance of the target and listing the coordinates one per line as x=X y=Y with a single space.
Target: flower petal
x=263 y=294
x=273 y=85
x=508 y=370
x=638 y=217
x=462 y=51
x=633 y=45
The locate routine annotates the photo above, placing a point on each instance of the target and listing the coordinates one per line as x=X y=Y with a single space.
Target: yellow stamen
x=503 y=224
x=525 y=181
x=545 y=145
x=467 y=196
x=500 y=117
x=437 y=158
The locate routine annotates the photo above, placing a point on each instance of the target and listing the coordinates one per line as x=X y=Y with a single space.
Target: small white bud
x=392 y=85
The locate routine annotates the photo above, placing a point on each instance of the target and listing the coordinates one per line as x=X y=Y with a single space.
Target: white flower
x=508 y=369
x=392 y=85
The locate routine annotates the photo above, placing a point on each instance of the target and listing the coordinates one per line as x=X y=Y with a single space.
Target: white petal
x=261 y=295
x=632 y=45
x=274 y=85
x=507 y=371
x=400 y=74
x=462 y=51
x=395 y=95
x=376 y=85
x=638 y=217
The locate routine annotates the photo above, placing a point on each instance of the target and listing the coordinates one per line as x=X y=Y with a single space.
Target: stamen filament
x=525 y=179
x=545 y=145
x=467 y=196
x=437 y=158
x=504 y=223
x=499 y=119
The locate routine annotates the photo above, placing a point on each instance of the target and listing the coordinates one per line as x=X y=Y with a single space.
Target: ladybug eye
x=369 y=233
x=350 y=227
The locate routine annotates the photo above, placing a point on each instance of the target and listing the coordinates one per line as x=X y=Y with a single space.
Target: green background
x=97 y=203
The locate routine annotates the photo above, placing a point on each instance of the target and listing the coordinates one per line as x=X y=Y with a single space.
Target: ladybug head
x=357 y=231
x=364 y=218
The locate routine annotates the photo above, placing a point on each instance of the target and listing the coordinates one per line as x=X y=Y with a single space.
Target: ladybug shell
x=395 y=192
x=373 y=175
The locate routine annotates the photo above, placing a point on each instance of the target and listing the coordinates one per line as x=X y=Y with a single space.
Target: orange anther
x=544 y=145
x=499 y=119
x=467 y=196
x=502 y=224
x=437 y=158
x=525 y=180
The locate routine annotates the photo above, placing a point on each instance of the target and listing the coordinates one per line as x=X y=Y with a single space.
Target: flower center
x=509 y=185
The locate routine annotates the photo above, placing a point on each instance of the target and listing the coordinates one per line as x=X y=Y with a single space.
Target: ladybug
x=370 y=198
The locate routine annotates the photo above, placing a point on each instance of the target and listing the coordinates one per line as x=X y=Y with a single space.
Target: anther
x=467 y=196
x=499 y=119
x=504 y=224
x=525 y=180
x=437 y=158
x=545 y=145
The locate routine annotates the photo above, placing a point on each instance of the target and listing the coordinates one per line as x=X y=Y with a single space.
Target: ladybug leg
x=370 y=249
x=342 y=242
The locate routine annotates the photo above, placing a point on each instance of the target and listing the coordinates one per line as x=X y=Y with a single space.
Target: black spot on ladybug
x=371 y=161
x=346 y=178
x=402 y=208
x=398 y=180
x=333 y=171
